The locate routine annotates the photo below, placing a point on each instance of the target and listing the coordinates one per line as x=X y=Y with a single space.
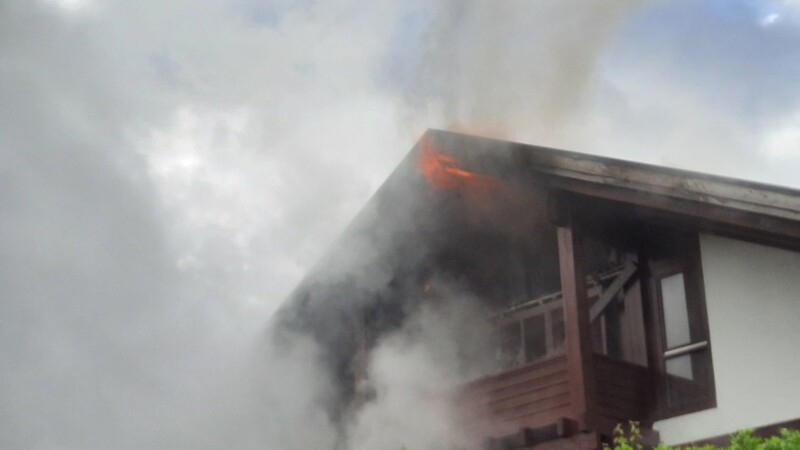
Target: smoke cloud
x=169 y=171
x=414 y=374
x=515 y=69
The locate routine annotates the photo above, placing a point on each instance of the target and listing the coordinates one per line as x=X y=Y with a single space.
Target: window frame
x=545 y=310
x=680 y=255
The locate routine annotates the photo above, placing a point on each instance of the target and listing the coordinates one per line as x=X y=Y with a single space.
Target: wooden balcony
x=529 y=396
x=623 y=391
x=538 y=395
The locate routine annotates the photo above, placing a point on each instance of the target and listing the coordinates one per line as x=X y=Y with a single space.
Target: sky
x=170 y=170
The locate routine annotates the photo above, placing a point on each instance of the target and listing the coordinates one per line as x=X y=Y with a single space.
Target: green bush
x=742 y=440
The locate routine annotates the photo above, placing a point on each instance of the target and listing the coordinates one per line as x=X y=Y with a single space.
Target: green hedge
x=742 y=440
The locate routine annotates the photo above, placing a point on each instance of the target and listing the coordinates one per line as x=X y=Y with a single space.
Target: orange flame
x=490 y=201
x=443 y=173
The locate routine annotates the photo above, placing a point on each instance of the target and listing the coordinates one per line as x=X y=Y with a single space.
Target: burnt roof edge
x=746 y=196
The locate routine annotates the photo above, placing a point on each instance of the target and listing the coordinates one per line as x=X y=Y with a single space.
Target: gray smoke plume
x=169 y=171
x=515 y=69
x=415 y=374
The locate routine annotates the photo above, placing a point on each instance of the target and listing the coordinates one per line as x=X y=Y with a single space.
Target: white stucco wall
x=753 y=301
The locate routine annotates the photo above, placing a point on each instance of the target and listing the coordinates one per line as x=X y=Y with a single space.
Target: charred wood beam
x=609 y=294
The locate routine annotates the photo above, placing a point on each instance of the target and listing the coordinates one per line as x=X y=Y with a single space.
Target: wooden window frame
x=546 y=310
x=684 y=257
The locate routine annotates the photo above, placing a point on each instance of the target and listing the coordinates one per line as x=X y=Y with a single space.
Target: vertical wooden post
x=577 y=325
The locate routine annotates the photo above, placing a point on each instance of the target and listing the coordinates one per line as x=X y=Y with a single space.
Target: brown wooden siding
x=622 y=390
x=533 y=395
x=538 y=394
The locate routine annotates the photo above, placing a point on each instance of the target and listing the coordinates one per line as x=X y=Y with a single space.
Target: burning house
x=614 y=291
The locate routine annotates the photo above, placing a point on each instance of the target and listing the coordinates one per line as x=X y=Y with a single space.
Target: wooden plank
x=620 y=415
x=630 y=393
x=580 y=441
x=612 y=291
x=622 y=412
x=527 y=437
x=633 y=385
x=634 y=338
x=603 y=362
x=621 y=395
x=524 y=372
x=530 y=377
x=608 y=374
x=523 y=388
x=622 y=392
x=529 y=397
x=623 y=379
x=711 y=217
x=540 y=389
x=536 y=408
x=577 y=326
x=500 y=427
x=622 y=384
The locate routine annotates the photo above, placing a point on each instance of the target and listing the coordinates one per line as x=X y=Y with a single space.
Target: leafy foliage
x=742 y=440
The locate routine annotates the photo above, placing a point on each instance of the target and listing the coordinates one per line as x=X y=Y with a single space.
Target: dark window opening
x=535 y=338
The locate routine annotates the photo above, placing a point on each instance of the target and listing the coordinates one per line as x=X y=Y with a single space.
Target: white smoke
x=511 y=69
x=415 y=375
x=515 y=69
x=170 y=170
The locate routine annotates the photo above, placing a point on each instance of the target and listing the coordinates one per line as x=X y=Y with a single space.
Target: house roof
x=742 y=208
x=401 y=223
x=413 y=216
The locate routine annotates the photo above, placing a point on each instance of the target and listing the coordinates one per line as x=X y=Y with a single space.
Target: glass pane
x=676 y=314
x=681 y=366
x=535 y=344
x=688 y=378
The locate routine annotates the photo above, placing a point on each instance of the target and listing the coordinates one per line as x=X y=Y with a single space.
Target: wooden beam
x=577 y=326
x=707 y=213
x=609 y=294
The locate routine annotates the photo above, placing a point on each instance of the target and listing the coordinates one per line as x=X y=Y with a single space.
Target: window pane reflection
x=681 y=366
x=676 y=314
x=688 y=378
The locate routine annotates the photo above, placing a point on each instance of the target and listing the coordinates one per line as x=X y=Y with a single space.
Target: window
x=681 y=348
x=532 y=334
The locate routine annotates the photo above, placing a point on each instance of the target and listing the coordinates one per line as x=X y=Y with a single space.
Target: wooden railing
x=528 y=396
x=538 y=394
x=622 y=390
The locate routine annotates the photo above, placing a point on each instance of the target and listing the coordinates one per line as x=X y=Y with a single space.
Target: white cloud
x=770 y=19
x=72 y=6
x=169 y=173
x=783 y=141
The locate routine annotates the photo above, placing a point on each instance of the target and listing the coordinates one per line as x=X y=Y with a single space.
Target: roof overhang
x=743 y=209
